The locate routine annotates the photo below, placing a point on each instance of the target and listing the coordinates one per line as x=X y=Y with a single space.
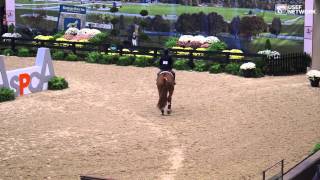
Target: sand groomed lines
x=106 y=124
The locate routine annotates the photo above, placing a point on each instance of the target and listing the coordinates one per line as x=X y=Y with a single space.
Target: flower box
x=314 y=77
x=248 y=69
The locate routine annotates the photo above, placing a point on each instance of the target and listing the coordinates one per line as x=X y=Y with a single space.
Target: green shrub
x=58 y=55
x=261 y=64
x=215 y=68
x=258 y=73
x=156 y=63
x=181 y=64
x=23 y=52
x=316 y=148
x=200 y=65
x=107 y=59
x=99 y=38
x=144 y=37
x=171 y=42
x=58 y=35
x=144 y=12
x=6 y=94
x=71 y=57
x=232 y=68
x=93 y=57
x=57 y=83
x=125 y=60
x=11 y=28
x=143 y=61
x=268 y=44
x=217 y=46
x=8 y=52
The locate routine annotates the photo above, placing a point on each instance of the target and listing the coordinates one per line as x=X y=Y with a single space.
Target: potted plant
x=248 y=69
x=314 y=77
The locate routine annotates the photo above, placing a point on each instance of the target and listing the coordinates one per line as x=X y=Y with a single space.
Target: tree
x=235 y=26
x=159 y=24
x=216 y=23
x=121 y=22
x=252 y=25
x=268 y=44
x=275 y=26
x=106 y=19
x=211 y=24
x=114 y=10
x=144 y=13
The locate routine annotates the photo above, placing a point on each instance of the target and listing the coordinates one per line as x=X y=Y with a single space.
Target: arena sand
x=106 y=124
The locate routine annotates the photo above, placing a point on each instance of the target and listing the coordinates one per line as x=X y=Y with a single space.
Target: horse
x=165 y=84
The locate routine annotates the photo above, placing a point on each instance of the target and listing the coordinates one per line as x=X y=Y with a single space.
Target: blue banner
x=73 y=9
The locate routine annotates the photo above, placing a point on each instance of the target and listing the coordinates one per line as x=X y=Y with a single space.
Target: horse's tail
x=163 y=95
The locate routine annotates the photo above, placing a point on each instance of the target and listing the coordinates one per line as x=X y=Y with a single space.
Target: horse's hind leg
x=169 y=101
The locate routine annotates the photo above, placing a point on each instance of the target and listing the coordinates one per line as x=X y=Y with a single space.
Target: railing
x=293 y=63
x=278 y=176
x=287 y=64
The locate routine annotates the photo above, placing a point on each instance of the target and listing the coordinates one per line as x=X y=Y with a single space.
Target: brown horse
x=165 y=84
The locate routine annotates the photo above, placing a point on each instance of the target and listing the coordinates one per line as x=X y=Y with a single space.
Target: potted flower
x=314 y=77
x=248 y=69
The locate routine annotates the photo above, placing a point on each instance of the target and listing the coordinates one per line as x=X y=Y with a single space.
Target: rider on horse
x=166 y=63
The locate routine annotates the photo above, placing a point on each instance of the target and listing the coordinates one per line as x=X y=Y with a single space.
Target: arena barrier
x=30 y=79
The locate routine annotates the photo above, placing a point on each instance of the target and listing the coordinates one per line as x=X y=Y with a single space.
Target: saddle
x=163 y=72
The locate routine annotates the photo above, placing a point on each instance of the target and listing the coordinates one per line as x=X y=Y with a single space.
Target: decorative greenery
x=8 y=52
x=232 y=68
x=171 y=42
x=143 y=61
x=200 y=65
x=58 y=35
x=114 y=21
x=99 y=38
x=71 y=57
x=252 y=25
x=181 y=64
x=6 y=94
x=261 y=64
x=24 y=52
x=218 y=46
x=316 y=148
x=144 y=12
x=275 y=27
x=58 y=55
x=215 y=68
x=57 y=83
x=93 y=57
x=114 y=9
x=156 y=63
x=125 y=60
x=268 y=44
x=144 y=37
x=109 y=59
x=259 y=73
x=114 y=32
x=11 y=28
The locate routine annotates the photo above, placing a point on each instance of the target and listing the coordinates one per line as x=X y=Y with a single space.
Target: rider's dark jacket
x=166 y=63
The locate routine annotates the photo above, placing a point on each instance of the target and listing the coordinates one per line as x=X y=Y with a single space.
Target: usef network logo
x=289 y=9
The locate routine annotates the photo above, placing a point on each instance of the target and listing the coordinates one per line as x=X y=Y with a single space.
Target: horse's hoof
x=169 y=112
x=162 y=112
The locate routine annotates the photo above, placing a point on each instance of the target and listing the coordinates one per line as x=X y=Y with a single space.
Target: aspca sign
x=31 y=79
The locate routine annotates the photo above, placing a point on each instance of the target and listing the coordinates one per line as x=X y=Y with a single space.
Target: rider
x=166 y=63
